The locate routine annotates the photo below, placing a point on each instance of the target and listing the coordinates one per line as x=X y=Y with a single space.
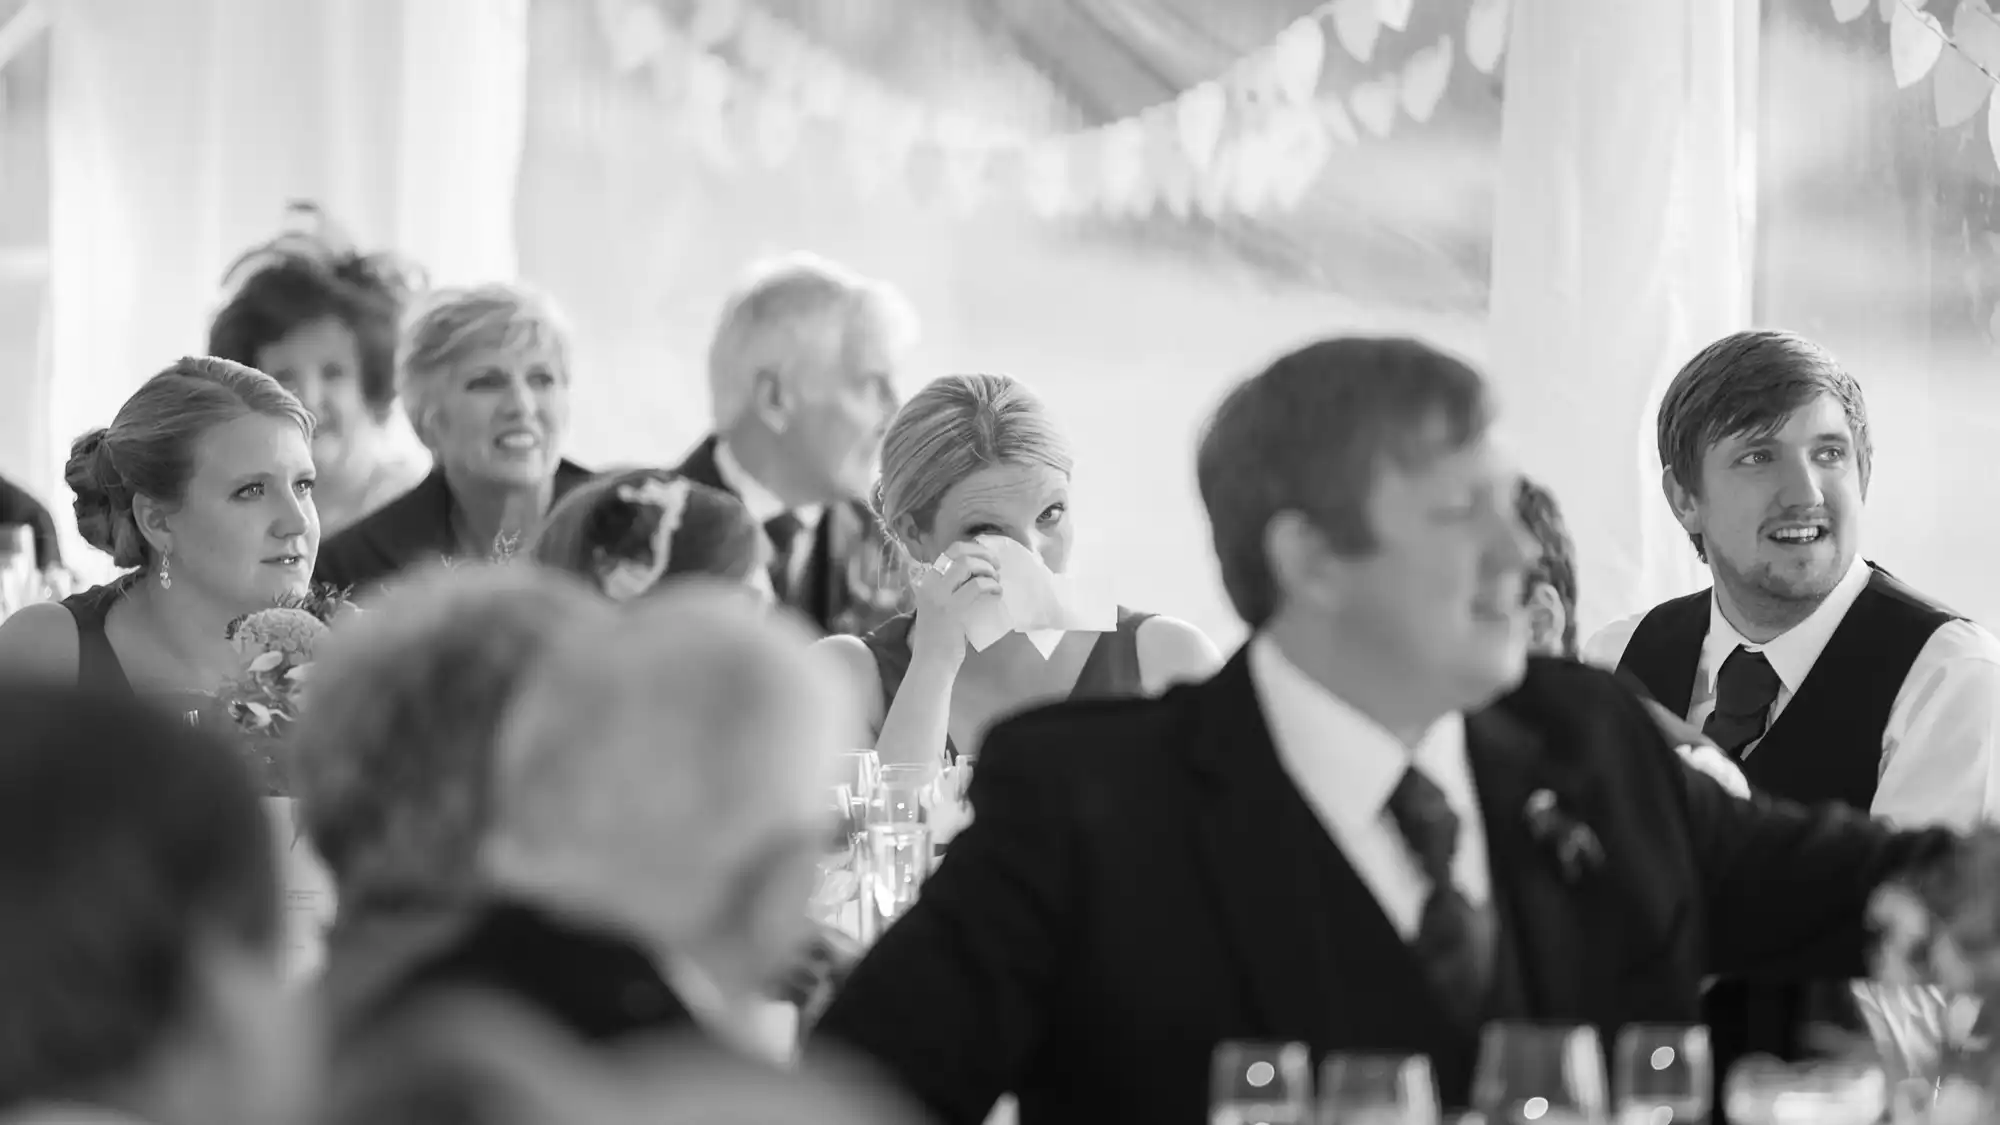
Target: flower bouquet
x=277 y=647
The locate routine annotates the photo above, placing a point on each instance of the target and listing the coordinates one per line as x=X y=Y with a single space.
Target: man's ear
x=1682 y=502
x=771 y=399
x=1301 y=561
x=1547 y=618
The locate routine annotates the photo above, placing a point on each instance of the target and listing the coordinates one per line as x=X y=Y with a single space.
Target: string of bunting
x=1252 y=141
x=1963 y=63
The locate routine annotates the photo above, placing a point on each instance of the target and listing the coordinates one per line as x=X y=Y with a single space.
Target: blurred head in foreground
x=1363 y=516
x=140 y=967
x=628 y=533
x=666 y=770
x=394 y=747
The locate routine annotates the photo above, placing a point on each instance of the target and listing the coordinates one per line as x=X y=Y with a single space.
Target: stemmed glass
x=859 y=770
x=1539 y=1074
x=1661 y=1075
x=837 y=891
x=1377 y=1089
x=1259 y=1084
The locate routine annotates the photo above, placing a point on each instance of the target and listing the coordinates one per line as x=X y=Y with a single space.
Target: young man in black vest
x=1828 y=679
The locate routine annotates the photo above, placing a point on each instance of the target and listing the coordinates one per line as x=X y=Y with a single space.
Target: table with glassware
x=892 y=821
x=1554 y=1074
x=889 y=825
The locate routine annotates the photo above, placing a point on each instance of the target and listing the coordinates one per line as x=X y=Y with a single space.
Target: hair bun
x=102 y=500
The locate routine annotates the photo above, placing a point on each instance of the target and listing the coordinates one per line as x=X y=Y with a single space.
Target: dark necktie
x=1454 y=938
x=1744 y=691
x=783 y=530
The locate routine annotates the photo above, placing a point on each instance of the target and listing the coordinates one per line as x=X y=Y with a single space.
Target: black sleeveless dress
x=1111 y=671
x=97 y=666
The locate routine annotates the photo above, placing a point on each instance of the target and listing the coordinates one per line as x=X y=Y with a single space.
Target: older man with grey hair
x=802 y=374
x=657 y=808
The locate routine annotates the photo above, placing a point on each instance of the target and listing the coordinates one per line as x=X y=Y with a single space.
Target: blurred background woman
x=321 y=318
x=484 y=377
x=203 y=486
x=971 y=456
x=628 y=532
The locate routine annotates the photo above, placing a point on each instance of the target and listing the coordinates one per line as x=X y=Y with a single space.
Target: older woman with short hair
x=484 y=375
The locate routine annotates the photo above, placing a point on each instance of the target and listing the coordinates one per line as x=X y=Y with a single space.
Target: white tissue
x=1034 y=601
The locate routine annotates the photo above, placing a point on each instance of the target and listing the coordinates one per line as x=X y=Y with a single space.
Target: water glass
x=899 y=841
x=901 y=795
x=1377 y=1089
x=1260 y=1084
x=1539 y=1074
x=1661 y=1075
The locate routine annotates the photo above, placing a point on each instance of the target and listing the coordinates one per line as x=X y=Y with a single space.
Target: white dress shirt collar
x=764 y=504
x=1792 y=652
x=1346 y=765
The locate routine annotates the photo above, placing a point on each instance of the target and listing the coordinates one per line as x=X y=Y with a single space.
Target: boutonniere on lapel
x=1567 y=840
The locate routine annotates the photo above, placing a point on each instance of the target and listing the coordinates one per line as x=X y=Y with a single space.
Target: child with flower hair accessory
x=627 y=533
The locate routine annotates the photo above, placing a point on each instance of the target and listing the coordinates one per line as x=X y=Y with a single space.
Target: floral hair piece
x=311 y=238
x=624 y=579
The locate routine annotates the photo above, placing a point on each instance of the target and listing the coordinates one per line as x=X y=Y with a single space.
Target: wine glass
x=1377 y=1089
x=859 y=770
x=1539 y=1074
x=1661 y=1075
x=837 y=888
x=1259 y=1084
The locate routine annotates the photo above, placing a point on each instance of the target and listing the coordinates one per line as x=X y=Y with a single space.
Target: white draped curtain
x=180 y=130
x=1621 y=247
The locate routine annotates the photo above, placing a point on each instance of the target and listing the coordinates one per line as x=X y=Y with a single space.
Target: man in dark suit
x=802 y=372
x=1343 y=839
x=657 y=812
x=18 y=506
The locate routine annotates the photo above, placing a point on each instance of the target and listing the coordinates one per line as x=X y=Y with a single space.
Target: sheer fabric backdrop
x=1620 y=248
x=180 y=130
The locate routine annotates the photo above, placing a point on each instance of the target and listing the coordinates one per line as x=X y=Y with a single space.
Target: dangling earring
x=166 y=578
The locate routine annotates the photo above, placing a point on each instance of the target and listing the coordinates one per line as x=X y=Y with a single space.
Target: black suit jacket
x=1133 y=890
x=848 y=586
x=387 y=958
x=413 y=529
x=18 y=506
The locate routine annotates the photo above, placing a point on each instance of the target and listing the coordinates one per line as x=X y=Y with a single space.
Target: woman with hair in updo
x=321 y=318
x=972 y=456
x=202 y=485
x=485 y=380
x=627 y=533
